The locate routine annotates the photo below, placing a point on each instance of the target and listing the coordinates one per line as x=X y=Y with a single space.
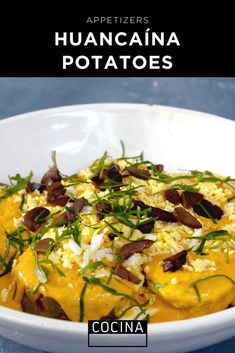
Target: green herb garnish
x=231 y=198
x=214 y=235
x=16 y=240
x=6 y=265
x=72 y=231
x=115 y=231
x=185 y=187
x=82 y=302
x=97 y=281
x=41 y=271
x=74 y=179
x=36 y=288
x=139 y=157
x=157 y=286
x=54 y=267
x=195 y=284
x=91 y=266
x=98 y=165
x=39 y=217
x=22 y=203
x=207 y=212
x=53 y=158
x=17 y=183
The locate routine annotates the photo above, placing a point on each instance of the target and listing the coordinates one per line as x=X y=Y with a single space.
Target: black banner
x=170 y=39
x=117 y=333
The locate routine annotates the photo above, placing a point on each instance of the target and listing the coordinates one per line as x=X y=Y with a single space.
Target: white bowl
x=175 y=137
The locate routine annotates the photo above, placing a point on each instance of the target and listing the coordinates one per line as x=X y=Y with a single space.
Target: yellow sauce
x=66 y=290
x=176 y=298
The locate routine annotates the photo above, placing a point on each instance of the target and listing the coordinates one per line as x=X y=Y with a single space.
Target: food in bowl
x=122 y=239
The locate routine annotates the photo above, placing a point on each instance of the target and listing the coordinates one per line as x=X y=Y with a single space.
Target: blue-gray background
x=212 y=95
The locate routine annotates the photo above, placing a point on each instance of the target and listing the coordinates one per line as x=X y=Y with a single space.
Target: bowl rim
x=212 y=322
x=116 y=106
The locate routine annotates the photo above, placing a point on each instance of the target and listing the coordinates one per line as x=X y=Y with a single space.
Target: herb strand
x=20 y=184
x=91 y=266
x=111 y=290
x=195 y=284
x=82 y=302
x=214 y=235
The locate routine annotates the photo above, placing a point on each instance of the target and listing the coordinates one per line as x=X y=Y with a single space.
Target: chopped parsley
x=18 y=183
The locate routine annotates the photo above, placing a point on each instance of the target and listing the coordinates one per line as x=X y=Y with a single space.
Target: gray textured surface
x=212 y=95
x=215 y=95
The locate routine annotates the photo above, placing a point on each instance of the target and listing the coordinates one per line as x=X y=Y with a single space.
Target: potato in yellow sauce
x=122 y=238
